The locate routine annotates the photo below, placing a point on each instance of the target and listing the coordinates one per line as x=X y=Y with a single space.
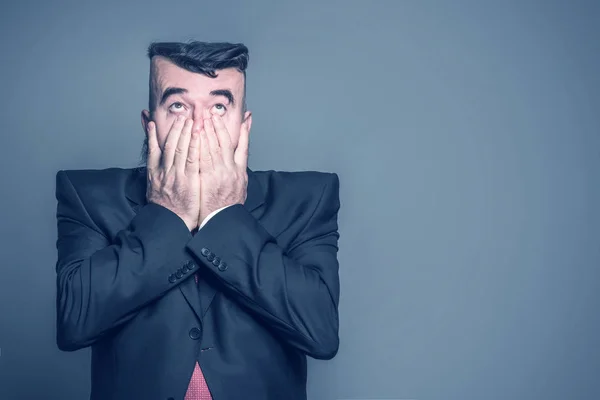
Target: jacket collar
x=135 y=190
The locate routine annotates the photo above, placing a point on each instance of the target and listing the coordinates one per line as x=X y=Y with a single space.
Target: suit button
x=170 y=398
x=205 y=251
x=172 y=278
x=195 y=333
x=189 y=265
x=178 y=274
x=223 y=266
x=210 y=257
x=216 y=261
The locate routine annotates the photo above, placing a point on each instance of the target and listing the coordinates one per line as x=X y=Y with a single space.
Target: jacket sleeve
x=294 y=291
x=101 y=284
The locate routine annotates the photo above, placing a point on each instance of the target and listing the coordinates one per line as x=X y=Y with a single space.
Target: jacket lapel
x=199 y=298
x=191 y=293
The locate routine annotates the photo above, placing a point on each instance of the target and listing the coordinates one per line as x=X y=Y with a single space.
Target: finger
x=224 y=139
x=205 y=156
x=192 y=166
x=241 y=152
x=181 y=152
x=213 y=142
x=153 y=148
x=171 y=143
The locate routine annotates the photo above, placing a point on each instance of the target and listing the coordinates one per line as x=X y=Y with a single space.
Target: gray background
x=466 y=137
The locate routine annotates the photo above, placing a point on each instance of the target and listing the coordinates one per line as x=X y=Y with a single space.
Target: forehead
x=166 y=74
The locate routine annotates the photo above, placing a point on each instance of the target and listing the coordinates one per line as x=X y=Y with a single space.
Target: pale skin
x=197 y=141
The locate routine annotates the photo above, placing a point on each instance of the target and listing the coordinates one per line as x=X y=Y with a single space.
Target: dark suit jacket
x=267 y=295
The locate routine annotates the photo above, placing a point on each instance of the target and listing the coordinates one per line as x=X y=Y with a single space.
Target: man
x=195 y=277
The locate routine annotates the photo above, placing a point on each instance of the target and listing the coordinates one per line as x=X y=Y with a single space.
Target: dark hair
x=200 y=57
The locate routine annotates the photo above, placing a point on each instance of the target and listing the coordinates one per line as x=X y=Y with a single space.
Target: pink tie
x=198 y=389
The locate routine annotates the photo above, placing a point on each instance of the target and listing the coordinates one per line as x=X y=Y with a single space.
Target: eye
x=176 y=107
x=220 y=109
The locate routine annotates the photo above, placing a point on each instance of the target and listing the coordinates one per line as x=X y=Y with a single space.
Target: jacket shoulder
x=297 y=181
x=298 y=193
x=85 y=178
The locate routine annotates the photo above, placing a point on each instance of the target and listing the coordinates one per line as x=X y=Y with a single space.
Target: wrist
x=191 y=225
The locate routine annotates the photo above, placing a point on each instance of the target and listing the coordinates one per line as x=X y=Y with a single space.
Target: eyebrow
x=170 y=91
x=225 y=93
